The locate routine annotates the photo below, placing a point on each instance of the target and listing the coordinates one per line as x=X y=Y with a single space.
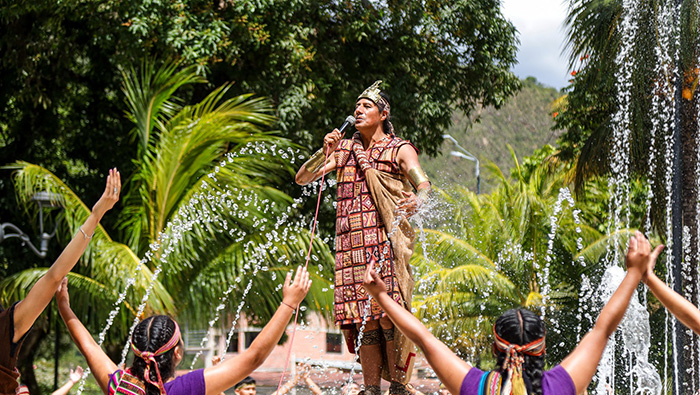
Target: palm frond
x=149 y=95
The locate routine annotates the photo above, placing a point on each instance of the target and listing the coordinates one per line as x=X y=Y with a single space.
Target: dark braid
x=521 y=326
x=150 y=335
x=387 y=126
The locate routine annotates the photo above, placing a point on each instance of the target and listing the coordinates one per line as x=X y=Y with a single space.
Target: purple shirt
x=191 y=383
x=554 y=382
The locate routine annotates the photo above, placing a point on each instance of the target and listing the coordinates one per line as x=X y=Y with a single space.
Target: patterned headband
x=151 y=357
x=534 y=348
x=513 y=363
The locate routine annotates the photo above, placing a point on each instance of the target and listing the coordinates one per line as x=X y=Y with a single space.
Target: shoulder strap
x=124 y=383
x=490 y=383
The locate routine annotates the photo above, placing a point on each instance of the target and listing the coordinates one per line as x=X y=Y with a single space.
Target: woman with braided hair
x=158 y=349
x=520 y=341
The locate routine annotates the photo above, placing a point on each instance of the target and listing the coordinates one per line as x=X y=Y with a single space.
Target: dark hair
x=150 y=335
x=521 y=326
x=245 y=381
x=386 y=125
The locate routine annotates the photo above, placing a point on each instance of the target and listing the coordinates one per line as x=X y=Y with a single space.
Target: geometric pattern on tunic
x=360 y=233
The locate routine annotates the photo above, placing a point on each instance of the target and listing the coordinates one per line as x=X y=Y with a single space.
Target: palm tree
x=595 y=33
x=201 y=214
x=499 y=251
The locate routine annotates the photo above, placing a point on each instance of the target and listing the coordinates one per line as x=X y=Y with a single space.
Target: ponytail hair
x=154 y=341
x=383 y=104
x=521 y=327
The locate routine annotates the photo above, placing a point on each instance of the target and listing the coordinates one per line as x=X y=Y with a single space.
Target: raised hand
x=62 y=297
x=294 y=292
x=373 y=283
x=640 y=256
x=76 y=374
x=111 y=193
x=331 y=141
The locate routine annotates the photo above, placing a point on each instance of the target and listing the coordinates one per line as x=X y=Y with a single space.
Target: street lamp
x=43 y=199
x=466 y=155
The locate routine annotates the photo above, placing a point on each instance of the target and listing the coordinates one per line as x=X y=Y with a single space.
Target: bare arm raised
x=685 y=311
x=27 y=310
x=75 y=376
x=448 y=366
x=218 y=378
x=226 y=374
x=582 y=363
x=100 y=364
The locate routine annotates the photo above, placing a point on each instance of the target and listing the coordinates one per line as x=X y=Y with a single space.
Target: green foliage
x=180 y=219
x=311 y=59
x=524 y=122
x=594 y=41
x=62 y=68
x=492 y=253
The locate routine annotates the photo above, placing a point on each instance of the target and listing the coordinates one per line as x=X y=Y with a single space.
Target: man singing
x=377 y=173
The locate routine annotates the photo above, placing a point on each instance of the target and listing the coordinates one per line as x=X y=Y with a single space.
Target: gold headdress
x=372 y=93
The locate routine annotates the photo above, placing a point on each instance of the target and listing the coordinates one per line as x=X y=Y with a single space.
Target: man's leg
x=371 y=357
x=388 y=329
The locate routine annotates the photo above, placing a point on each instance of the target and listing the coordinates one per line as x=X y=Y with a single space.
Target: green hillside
x=524 y=122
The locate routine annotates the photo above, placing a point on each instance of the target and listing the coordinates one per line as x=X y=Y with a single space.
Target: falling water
x=663 y=114
x=618 y=182
x=635 y=331
x=195 y=214
x=697 y=210
x=543 y=275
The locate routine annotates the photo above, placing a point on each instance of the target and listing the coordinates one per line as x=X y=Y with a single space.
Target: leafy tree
x=60 y=92
x=312 y=59
x=200 y=207
x=664 y=53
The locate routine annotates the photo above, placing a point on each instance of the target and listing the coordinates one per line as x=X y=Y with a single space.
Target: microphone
x=349 y=121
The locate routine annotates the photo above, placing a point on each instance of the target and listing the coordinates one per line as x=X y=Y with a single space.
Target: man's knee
x=369 y=325
x=386 y=323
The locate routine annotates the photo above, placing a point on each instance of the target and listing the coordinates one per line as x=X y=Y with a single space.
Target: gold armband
x=417 y=176
x=316 y=161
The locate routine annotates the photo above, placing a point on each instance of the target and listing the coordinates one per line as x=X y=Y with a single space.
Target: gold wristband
x=417 y=176
x=316 y=161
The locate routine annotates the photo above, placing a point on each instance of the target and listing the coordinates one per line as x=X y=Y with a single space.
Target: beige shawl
x=386 y=191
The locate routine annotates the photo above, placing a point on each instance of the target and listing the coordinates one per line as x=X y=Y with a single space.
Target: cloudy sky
x=540 y=24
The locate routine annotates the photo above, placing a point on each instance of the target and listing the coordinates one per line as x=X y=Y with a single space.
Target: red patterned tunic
x=360 y=233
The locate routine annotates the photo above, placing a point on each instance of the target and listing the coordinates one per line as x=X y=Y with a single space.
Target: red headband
x=151 y=357
x=513 y=362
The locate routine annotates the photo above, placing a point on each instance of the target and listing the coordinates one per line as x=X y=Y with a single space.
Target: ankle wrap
x=370 y=338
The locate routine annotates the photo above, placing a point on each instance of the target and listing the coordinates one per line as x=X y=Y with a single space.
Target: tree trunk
x=689 y=279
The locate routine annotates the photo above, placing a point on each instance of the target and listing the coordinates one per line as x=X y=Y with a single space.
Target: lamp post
x=49 y=200
x=43 y=199
x=466 y=155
